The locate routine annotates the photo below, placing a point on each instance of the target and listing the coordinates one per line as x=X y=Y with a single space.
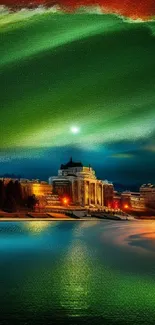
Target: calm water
x=92 y=272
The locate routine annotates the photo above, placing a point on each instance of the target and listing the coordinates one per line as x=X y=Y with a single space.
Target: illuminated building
x=79 y=184
x=137 y=203
x=147 y=192
x=108 y=192
x=39 y=189
x=132 y=200
x=116 y=200
x=52 y=200
x=126 y=199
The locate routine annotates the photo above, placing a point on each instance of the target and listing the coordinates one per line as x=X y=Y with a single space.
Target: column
x=84 y=194
x=102 y=196
x=95 y=193
x=79 y=192
x=88 y=193
x=73 y=192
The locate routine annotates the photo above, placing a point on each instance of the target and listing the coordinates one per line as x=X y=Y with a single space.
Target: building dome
x=71 y=164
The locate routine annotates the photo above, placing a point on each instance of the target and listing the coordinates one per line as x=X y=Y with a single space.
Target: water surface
x=77 y=272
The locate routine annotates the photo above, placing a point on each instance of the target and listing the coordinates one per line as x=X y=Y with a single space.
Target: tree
x=31 y=201
x=2 y=194
x=17 y=193
x=14 y=191
x=10 y=189
x=10 y=204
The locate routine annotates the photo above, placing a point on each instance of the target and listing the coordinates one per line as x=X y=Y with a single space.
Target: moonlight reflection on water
x=77 y=272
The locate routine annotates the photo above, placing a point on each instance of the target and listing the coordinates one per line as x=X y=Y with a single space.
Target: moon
x=75 y=129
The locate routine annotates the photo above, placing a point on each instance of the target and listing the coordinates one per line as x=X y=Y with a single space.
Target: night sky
x=92 y=71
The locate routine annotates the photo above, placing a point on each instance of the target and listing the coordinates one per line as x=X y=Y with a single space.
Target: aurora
x=94 y=71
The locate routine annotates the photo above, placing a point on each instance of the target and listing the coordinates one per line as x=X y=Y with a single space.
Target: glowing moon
x=75 y=129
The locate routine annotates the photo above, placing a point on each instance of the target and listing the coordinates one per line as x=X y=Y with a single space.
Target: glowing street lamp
x=65 y=201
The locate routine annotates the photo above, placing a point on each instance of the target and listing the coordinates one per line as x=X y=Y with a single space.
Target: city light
x=115 y=205
x=65 y=201
x=126 y=206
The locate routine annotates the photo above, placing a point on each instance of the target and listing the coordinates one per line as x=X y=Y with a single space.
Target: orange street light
x=65 y=200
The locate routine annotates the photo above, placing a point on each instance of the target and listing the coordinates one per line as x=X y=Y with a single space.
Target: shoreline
x=45 y=219
x=55 y=216
x=12 y=219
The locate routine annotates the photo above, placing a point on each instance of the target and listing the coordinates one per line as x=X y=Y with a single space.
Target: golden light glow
x=37 y=226
x=65 y=200
x=41 y=189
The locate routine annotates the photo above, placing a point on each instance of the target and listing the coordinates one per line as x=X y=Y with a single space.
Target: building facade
x=147 y=192
x=137 y=203
x=126 y=200
x=132 y=201
x=79 y=184
x=39 y=188
x=108 y=192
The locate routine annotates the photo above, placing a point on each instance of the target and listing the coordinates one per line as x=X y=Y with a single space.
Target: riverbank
x=148 y=214
x=24 y=216
x=51 y=216
x=72 y=215
x=36 y=216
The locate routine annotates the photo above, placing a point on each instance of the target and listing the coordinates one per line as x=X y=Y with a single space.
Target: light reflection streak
x=37 y=227
x=75 y=280
x=81 y=281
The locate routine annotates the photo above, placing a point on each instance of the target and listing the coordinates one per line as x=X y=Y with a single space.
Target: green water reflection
x=78 y=270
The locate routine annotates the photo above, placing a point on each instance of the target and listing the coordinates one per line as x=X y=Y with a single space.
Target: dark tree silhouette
x=14 y=190
x=2 y=194
x=10 y=204
x=9 y=189
x=31 y=202
x=17 y=193
x=13 y=196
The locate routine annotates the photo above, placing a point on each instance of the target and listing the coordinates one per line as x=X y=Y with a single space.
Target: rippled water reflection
x=79 y=272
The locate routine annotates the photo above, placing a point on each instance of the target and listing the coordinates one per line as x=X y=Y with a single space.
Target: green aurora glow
x=58 y=70
x=93 y=71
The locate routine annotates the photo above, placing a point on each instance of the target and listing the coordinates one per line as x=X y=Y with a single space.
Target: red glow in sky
x=132 y=8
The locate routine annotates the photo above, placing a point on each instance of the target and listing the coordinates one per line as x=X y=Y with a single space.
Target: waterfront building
x=137 y=203
x=132 y=200
x=108 y=192
x=79 y=185
x=52 y=200
x=116 y=200
x=126 y=200
x=40 y=189
x=147 y=192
